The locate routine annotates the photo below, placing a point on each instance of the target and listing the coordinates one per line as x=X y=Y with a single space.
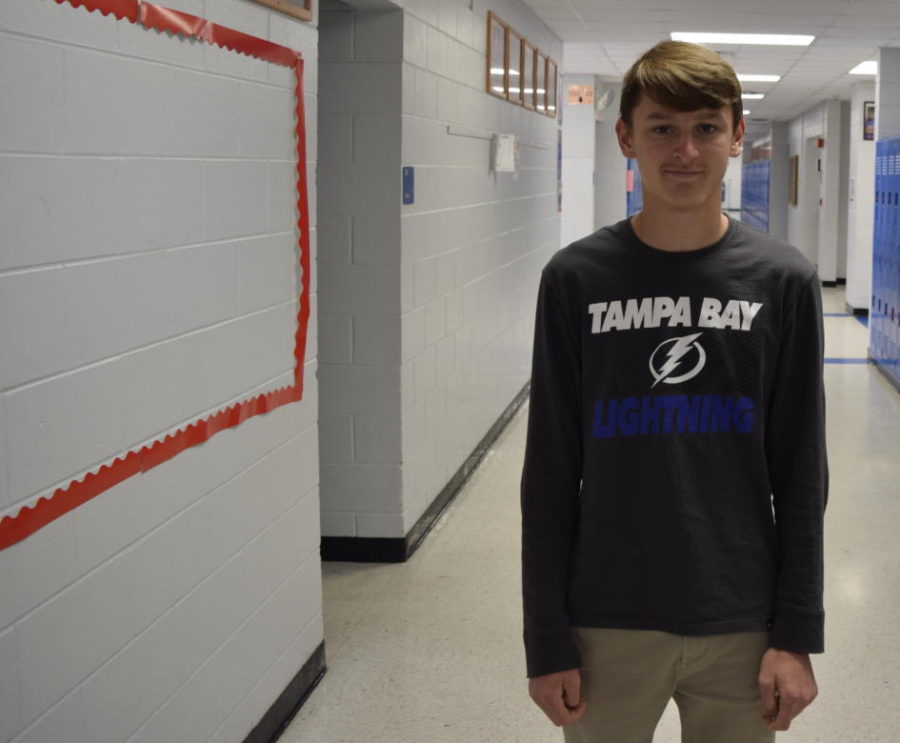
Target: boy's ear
x=737 y=142
x=623 y=134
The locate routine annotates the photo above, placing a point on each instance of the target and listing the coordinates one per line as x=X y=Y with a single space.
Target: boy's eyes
x=702 y=128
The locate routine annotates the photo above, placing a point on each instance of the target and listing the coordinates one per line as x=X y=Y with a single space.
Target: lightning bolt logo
x=675 y=351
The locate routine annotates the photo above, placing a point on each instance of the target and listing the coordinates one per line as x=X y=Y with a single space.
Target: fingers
x=769 y=700
x=559 y=696
x=572 y=689
x=791 y=703
x=782 y=703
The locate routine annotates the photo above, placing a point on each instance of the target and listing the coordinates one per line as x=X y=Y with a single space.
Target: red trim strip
x=121 y=9
x=29 y=519
x=166 y=19
x=303 y=227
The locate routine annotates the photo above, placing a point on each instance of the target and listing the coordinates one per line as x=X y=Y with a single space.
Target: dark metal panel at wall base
x=279 y=716
x=363 y=549
x=856 y=311
x=400 y=549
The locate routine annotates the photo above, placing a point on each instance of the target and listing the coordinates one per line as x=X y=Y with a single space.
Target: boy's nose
x=686 y=148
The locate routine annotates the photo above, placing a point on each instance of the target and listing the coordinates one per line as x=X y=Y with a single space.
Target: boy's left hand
x=788 y=686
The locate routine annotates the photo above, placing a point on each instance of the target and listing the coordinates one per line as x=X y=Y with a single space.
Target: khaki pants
x=629 y=676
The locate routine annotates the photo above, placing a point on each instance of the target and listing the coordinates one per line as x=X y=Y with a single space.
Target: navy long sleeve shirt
x=675 y=472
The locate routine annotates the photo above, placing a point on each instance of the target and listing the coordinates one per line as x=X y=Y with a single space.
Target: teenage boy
x=675 y=474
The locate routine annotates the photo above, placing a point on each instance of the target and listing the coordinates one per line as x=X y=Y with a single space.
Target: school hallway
x=267 y=298
x=430 y=651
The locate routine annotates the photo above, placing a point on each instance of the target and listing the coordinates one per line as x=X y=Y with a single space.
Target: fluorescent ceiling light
x=759 y=78
x=869 y=67
x=767 y=39
x=746 y=112
x=753 y=96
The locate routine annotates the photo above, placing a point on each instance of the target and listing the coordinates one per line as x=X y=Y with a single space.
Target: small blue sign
x=409 y=185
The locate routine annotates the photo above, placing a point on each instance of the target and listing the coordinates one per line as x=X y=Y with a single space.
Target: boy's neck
x=679 y=231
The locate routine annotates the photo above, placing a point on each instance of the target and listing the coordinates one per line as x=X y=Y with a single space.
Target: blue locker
x=884 y=342
x=755 y=194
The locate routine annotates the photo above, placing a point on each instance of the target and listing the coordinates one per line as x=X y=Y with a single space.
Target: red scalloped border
x=29 y=519
x=121 y=9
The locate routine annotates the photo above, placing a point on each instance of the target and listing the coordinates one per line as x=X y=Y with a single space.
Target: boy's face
x=682 y=156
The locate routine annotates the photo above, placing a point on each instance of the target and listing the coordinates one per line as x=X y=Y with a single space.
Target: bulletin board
x=34 y=516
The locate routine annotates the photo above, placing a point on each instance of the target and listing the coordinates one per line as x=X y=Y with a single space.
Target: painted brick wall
x=359 y=258
x=473 y=244
x=148 y=277
x=427 y=309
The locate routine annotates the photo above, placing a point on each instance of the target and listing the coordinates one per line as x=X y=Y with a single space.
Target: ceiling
x=603 y=37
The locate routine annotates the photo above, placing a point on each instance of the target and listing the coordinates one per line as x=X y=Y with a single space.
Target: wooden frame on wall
x=540 y=84
x=869 y=120
x=515 y=89
x=497 y=56
x=793 y=179
x=529 y=68
x=300 y=9
x=552 y=88
x=517 y=71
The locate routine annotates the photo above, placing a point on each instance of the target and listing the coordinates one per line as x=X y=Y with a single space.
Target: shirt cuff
x=550 y=652
x=798 y=632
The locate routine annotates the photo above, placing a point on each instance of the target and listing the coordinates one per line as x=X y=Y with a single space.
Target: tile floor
x=429 y=651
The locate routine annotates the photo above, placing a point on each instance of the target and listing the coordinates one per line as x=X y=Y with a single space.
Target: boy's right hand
x=559 y=695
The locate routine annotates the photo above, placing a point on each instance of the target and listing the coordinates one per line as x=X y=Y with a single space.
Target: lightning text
x=668 y=414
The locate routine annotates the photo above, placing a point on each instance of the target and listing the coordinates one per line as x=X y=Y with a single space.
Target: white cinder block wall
x=427 y=309
x=148 y=277
x=473 y=243
x=359 y=270
x=861 y=207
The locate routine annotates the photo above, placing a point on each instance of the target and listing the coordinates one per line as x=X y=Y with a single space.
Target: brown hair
x=683 y=76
